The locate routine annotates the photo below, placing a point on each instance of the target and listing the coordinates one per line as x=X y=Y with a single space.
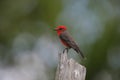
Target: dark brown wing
x=69 y=40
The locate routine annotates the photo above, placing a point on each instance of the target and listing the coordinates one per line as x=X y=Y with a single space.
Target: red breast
x=64 y=43
x=59 y=30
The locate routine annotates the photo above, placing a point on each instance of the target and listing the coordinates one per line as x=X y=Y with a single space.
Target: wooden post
x=68 y=69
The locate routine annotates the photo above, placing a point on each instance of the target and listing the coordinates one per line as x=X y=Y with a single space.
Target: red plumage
x=67 y=40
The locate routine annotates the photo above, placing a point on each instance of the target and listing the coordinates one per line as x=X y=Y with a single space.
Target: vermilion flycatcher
x=67 y=40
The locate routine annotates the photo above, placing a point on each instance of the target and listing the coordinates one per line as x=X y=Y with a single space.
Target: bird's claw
x=66 y=49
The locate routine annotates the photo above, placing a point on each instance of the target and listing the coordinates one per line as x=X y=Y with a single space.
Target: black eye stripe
x=61 y=29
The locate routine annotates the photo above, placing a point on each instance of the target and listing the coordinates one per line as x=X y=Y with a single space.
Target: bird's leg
x=66 y=50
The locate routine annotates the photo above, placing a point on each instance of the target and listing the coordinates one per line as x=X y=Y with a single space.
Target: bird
x=67 y=40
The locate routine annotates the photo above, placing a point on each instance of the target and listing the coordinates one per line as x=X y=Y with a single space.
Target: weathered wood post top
x=69 y=69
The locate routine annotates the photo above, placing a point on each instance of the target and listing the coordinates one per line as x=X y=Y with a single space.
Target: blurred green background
x=29 y=47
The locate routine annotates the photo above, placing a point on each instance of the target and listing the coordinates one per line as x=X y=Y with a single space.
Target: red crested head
x=60 y=29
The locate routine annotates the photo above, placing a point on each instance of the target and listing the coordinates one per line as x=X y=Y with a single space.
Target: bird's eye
x=61 y=29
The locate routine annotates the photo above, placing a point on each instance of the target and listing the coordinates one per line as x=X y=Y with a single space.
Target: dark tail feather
x=78 y=51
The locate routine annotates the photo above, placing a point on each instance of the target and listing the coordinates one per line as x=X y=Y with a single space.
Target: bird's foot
x=66 y=49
